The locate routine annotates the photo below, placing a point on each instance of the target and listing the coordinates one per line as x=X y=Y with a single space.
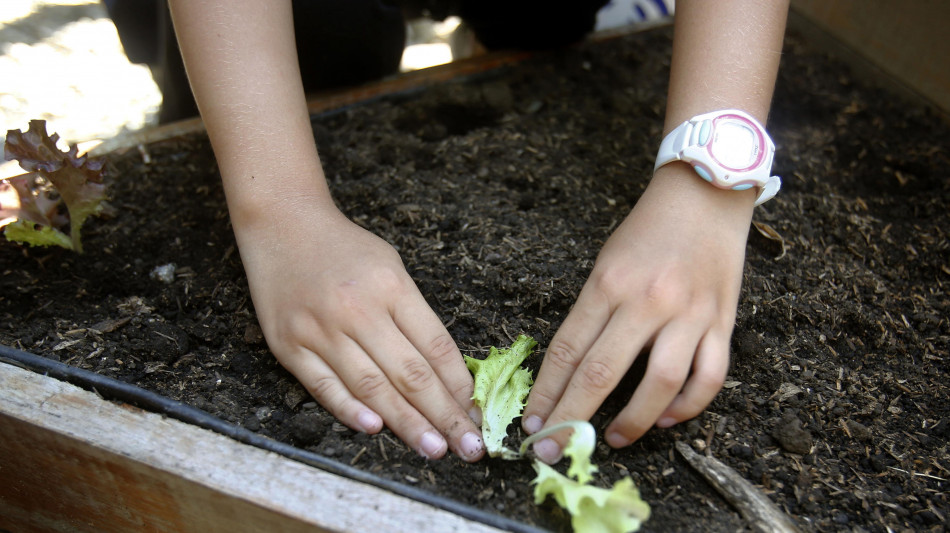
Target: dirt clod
x=792 y=436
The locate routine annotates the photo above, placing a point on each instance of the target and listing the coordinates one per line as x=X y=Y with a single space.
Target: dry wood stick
x=762 y=515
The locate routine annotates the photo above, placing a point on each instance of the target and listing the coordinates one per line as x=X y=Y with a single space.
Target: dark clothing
x=347 y=42
x=529 y=24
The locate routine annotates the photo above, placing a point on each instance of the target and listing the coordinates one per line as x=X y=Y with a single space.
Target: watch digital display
x=735 y=143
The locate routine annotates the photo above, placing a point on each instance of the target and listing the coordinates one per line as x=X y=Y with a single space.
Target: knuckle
x=416 y=377
x=666 y=378
x=596 y=376
x=442 y=350
x=287 y=331
x=612 y=280
x=663 y=292
x=562 y=354
x=541 y=396
x=390 y=279
x=370 y=385
x=710 y=380
x=323 y=389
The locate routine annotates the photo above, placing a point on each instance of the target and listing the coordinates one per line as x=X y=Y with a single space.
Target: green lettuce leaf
x=28 y=232
x=501 y=387
x=580 y=448
x=593 y=509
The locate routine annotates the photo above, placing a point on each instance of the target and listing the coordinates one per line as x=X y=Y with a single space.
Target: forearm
x=725 y=55
x=242 y=64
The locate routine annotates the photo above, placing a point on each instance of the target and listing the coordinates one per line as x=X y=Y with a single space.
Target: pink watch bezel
x=760 y=141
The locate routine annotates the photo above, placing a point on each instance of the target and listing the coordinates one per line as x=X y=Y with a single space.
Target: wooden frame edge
x=71 y=461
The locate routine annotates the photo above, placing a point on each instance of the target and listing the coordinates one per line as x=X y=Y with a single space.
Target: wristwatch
x=727 y=148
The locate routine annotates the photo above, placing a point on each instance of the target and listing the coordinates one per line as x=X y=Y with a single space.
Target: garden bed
x=498 y=190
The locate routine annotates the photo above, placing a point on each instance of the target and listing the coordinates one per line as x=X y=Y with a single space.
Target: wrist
x=261 y=201
x=682 y=187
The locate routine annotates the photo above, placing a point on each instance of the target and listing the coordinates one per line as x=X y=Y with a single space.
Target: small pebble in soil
x=263 y=413
x=694 y=428
x=307 y=427
x=253 y=334
x=742 y=451
x=164 y=273
x=252 y=423
x=792 y=436
x=858 y=430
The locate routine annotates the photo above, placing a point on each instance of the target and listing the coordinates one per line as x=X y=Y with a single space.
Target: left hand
x=667 y=280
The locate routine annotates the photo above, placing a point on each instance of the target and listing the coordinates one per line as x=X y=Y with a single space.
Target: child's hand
x=667 y=280
x=340 y=312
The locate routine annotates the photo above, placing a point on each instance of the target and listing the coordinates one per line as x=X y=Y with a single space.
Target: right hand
x=340 y=312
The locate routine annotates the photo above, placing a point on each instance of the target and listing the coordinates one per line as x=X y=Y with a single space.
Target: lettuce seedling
x=31 y=211
x=501 y=387
x=618 y=509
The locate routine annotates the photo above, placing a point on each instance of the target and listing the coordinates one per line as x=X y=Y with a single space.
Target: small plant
x=31 y=205
x=501 y=387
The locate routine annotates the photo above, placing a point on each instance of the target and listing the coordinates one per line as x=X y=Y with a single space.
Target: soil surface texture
x=498 y=192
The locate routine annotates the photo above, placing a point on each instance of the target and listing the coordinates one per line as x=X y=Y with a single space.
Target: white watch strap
x=673 y=144
x=687 y=134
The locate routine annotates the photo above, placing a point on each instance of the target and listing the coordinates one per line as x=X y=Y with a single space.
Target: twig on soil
x=358 y=455
x=916 y=473
x=382 y=449
x=762 y=515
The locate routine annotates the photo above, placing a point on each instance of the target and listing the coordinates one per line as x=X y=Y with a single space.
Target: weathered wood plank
x=71 y=461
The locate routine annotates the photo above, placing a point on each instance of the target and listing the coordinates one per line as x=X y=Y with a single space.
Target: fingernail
x=616 y=440
x=548 y=451
x=476 y=415
x=666 y=422
x=532 y=424
x=369 y=421
x=471 y=445
x=432 y=445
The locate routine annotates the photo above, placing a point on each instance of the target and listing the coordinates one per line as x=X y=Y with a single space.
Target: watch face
x=736 y=143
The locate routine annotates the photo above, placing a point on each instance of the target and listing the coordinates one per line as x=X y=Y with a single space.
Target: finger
x=330 y=392
x=596 y=377
x=422 y=327
x=709 y=372
x=670 y=360
x=370 y=384
x=416 y=381
x=572 y=341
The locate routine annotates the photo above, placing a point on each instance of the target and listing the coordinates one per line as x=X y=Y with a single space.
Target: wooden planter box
x=71 y=460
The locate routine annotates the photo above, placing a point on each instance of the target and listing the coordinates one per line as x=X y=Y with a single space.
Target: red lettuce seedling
x=55 y=178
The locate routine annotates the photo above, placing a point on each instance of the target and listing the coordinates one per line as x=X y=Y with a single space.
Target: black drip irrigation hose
x=115 y=390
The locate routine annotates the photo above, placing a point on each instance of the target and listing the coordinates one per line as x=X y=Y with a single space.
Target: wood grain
x=71 y=461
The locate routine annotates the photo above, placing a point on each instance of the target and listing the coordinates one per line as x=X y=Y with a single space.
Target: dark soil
x=499 y=192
